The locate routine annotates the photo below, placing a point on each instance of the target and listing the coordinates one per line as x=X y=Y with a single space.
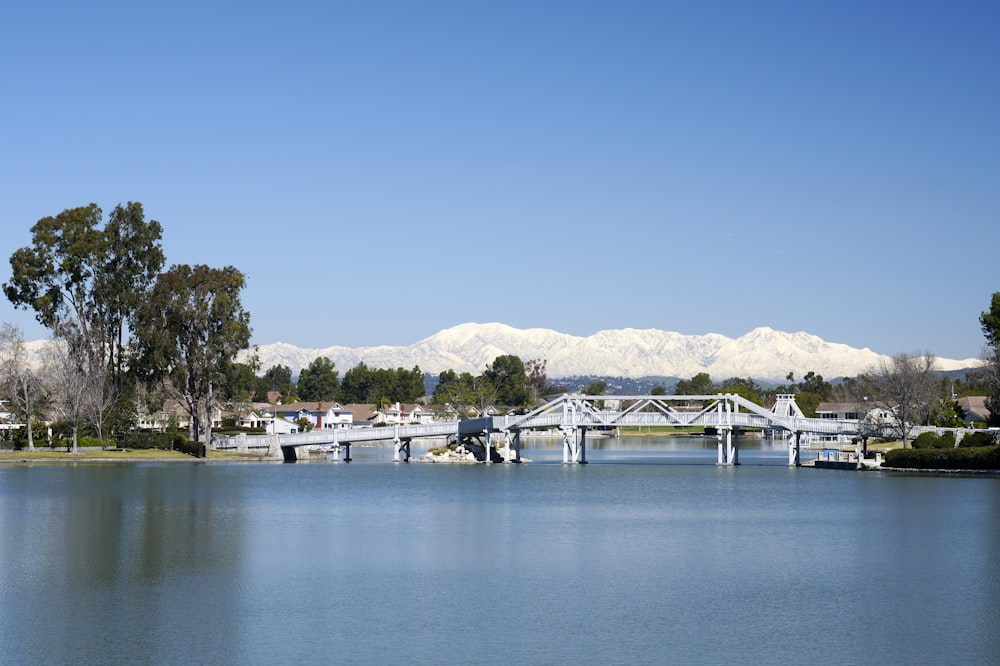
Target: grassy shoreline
x=91 y=454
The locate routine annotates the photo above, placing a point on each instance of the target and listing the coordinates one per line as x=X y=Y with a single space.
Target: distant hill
x=763 y=353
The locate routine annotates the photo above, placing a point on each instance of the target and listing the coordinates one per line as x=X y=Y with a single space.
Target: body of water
x=651 y=554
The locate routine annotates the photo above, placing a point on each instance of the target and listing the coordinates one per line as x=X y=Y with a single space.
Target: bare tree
x=905 y=386
x=100 y=396
x=18 y=377
x=66 y=362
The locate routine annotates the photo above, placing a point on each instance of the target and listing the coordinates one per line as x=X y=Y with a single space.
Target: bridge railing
x=574 y=411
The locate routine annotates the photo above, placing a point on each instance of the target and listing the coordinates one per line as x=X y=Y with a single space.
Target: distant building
x=849 y=411
x=974 y=409
x=320 y=415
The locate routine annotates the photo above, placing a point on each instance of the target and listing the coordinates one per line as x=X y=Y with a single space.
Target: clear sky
x=384 y=170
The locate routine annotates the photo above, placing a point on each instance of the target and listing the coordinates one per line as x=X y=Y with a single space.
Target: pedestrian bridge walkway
x=574 y=415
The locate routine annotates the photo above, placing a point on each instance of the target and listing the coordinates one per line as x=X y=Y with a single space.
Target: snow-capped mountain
x=763 y=353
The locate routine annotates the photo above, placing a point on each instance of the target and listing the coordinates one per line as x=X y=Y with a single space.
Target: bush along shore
x=978 y=458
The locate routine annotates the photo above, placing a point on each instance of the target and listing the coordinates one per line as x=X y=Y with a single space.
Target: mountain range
x=763 y=353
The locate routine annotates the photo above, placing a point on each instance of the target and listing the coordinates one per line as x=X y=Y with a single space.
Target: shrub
x=926 y=440
x=196 y=449
x=975 y=439
x=933 y=440
x=145 y=439
x=980 y=458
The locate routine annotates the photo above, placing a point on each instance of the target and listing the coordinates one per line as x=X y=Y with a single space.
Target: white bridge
x=573 y=415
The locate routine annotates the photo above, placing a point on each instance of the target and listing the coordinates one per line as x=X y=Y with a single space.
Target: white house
x=275 y=425
x=326 y=416
x=849 y=411
x=173 y=413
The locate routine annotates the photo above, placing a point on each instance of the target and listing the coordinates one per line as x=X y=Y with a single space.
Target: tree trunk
x=208 y=417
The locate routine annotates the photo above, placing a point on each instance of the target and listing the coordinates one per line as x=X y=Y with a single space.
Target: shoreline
x=47 y=456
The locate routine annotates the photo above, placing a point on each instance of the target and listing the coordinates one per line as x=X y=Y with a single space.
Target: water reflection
x=106 y=549
x=672 y=560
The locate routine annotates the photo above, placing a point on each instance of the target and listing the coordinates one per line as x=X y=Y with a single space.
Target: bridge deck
x=572 y=411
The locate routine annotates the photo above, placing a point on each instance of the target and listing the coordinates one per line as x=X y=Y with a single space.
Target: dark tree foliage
x=75 y=272
x=508 y=377
x=746 y=388
x=362 y=384
x=190 y=330
x=990 y=322
x=700 y=384
x=239 y=383
x=319 y=381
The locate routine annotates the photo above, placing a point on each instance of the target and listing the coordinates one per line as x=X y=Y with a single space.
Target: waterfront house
x=173 y=414
x=850 y=411
x=320 y=415
x=276 y=425
x=974 y=409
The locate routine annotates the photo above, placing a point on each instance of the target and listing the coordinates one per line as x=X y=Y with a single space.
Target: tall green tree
x=278 y=377
x=132 y=257
x=990 y=322
x=700 y=384
x=95 y=278
x=319 y=381
x=409 y=385
x=55 y=275
x=743 y=387
x=508 y=377
x=189 y=331
x=356 y=387
x=454 y=389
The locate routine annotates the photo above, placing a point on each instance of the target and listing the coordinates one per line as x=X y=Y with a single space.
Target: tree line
x=124 y=330
x=320 y=381
x=127 y=332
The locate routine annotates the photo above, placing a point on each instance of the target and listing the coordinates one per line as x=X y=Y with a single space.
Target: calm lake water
x=649 y=555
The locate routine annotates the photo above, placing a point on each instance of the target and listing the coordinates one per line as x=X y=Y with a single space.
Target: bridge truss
x=574 y=415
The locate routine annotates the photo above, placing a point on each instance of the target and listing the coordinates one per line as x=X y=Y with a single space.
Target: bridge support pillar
x=347 y=451
x=794 y=451
x=401 y=450
x=512 y=446
x=574 y=446
x=729 y=446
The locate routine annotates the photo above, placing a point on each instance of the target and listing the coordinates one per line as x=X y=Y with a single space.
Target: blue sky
x=383 y=170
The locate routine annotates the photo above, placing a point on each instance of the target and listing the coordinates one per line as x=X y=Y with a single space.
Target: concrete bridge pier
x=512 y=442
x=334 y=454
x=574 y=445
x=401 y=450
x=729 y=446
x=794 y=449
x=488 y=439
